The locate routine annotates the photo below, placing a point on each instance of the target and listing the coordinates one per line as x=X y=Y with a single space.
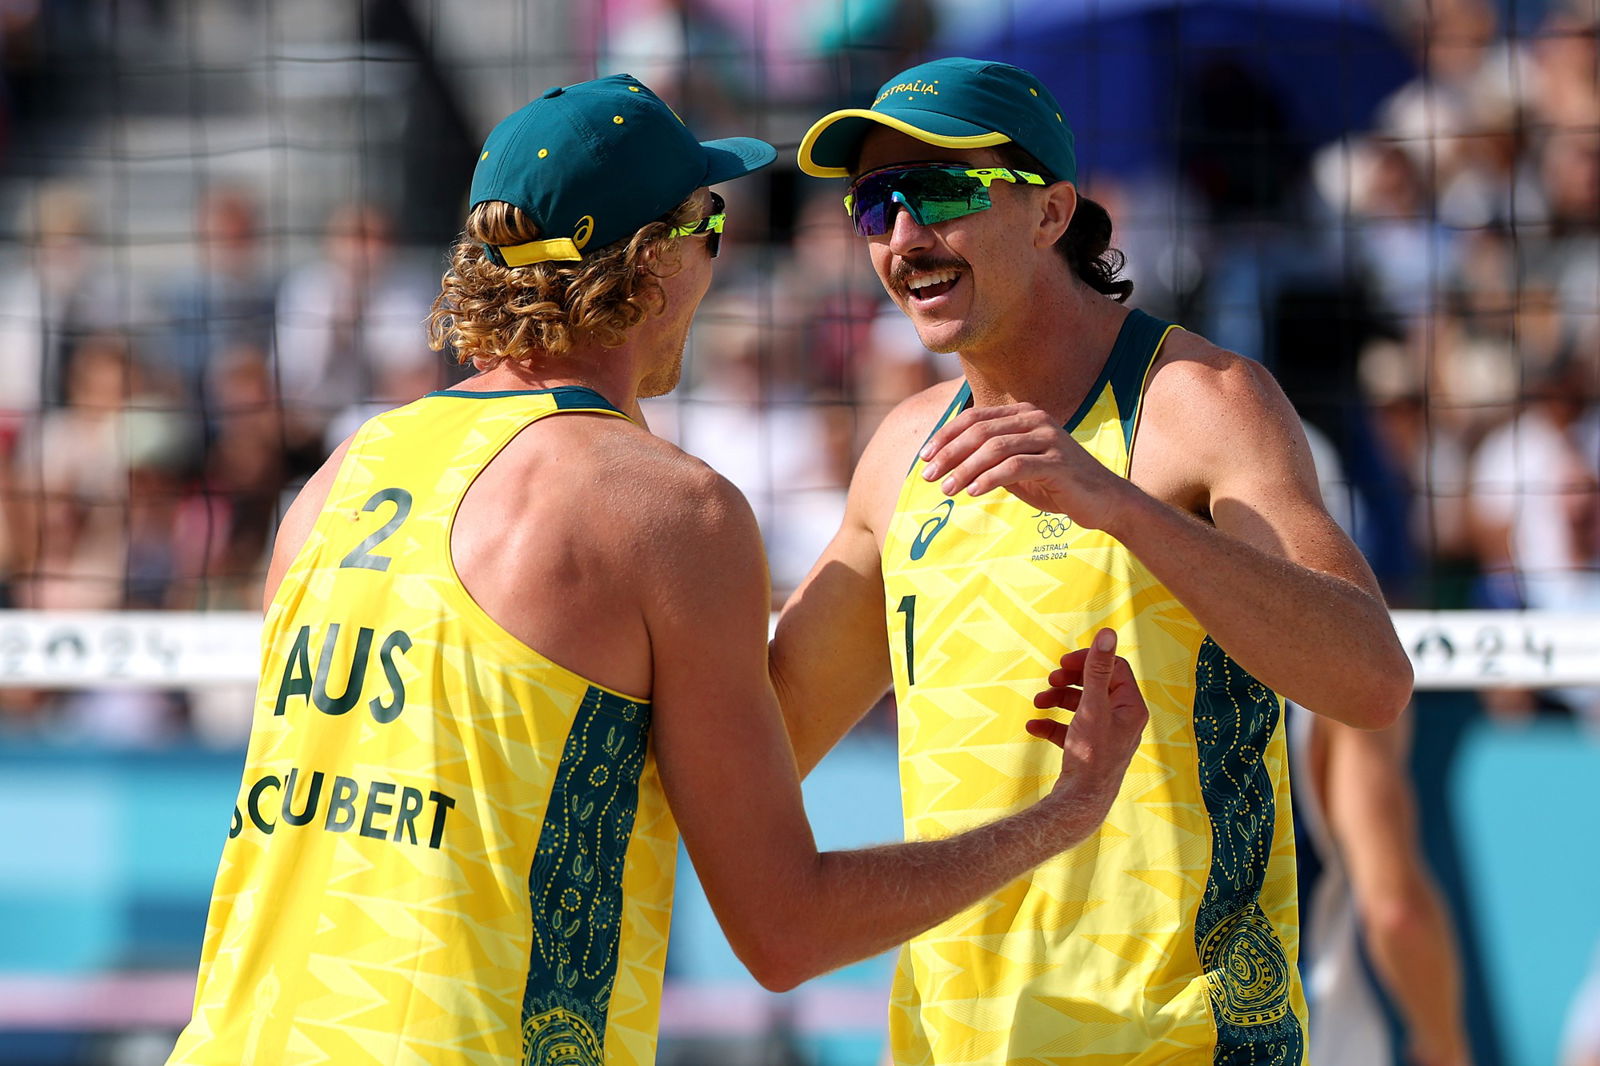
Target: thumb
x=1102 y=658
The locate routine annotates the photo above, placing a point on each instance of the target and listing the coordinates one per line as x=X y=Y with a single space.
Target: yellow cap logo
x=585 y=230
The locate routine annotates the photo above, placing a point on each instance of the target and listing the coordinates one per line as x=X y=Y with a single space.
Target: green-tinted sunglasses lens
x=931 y=194
x=941 y=195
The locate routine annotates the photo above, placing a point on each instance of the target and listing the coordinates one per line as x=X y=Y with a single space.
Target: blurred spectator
x=1395 y=234
x=1569 y=164
x=97 y=480
x=787 y=452
x=827 y=330
x=691 y=51
x=343 y=322
x=867 y=41
x=1430 y=455
x=227 y=528
x=1534 y=496
x=1564 y=90
x=226 y=302
x=392 y=387
x=57 y=293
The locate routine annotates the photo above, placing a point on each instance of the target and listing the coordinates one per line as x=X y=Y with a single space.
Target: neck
x=1049 y=355
x=611 y=372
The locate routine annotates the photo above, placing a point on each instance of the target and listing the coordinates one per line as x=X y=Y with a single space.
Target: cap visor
x=733 y=157
x=829 y=145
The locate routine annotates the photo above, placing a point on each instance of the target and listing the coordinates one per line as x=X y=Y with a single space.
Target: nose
x=906 y=234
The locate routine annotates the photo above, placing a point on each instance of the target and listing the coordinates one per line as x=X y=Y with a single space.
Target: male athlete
x=1095 y=467
x=507 y=628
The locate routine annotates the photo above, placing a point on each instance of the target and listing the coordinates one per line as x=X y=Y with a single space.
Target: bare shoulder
x=906 y=426
x=585 y=537
x=1211 y=415
x=1195 y=376
x=891 y=451
x=301 y=518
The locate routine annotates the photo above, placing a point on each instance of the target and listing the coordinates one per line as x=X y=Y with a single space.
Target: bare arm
x=1270 y=575
x=299 y=520
x=1371 y=812
x=791 y=913
x=830 y=654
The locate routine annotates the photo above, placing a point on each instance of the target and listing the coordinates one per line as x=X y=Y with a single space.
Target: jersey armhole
x=1144 y=385
x=302 y=561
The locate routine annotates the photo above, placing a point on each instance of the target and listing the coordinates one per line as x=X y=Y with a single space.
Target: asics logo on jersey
x=930 y=529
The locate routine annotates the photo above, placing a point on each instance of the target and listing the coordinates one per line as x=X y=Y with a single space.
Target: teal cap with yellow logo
x=591 y=163
x=953 y=103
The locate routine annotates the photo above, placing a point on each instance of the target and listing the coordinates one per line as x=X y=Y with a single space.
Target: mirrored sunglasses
x=932 y=192
x=712 y=224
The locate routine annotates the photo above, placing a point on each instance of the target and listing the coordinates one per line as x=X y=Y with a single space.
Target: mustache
x=904 y=269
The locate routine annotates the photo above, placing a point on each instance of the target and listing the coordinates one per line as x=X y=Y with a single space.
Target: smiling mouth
x=932 y=284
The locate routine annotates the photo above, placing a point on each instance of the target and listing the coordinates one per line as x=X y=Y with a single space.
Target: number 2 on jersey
x=908 y=607
x=361 y=558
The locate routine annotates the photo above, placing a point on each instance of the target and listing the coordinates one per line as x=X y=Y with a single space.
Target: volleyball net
x=221 y=226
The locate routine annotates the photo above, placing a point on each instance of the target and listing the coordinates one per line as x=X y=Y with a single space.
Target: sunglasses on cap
x=711 y=224
x=932 y=192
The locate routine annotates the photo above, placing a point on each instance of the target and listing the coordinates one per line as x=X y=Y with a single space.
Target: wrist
x=1125 y=509
x=1074 y=809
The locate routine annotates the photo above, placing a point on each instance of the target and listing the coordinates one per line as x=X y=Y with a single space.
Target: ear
x=1056 y=208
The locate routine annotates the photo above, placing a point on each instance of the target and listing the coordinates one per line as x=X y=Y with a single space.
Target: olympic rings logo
x=1052 y=526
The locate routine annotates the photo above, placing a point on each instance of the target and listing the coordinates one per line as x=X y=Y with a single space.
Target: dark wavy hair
x=1086 y=246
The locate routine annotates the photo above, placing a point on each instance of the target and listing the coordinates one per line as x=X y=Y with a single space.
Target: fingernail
x=927 y=451
x=949 y=485
x=1105 y=640
x=930 y=472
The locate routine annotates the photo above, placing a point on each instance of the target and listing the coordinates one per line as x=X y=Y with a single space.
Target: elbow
x=1389 y=694
x=777 y=980
x=777 y=944
x=776 y=962
x=1409 y=910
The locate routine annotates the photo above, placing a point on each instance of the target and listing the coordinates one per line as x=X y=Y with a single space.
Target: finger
x=1009 y=471
x=996 y=423
x=1098 y=668
x=1004 y=451
x=1122 y=675
x=1048 y=729
x=1065 y=697
x=960 y=424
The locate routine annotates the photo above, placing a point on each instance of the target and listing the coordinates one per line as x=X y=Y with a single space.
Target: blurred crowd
x=1428 y=291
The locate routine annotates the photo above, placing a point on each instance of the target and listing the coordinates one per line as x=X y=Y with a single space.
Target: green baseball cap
x=953 y=103
x=593 y=162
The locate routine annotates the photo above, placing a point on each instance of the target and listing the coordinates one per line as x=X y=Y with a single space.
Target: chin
x=663 y=381
x=942 y=337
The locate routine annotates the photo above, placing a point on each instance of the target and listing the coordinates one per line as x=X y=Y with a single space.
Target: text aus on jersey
x=382 y=810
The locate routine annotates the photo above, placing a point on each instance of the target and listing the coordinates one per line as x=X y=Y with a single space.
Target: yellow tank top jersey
x=1170 y=936
x=446 y=850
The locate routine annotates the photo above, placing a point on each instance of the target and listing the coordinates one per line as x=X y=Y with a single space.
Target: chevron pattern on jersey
x=1092 y=959
x=374 y=903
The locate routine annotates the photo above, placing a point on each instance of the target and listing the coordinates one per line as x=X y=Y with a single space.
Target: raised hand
x=1021 y=448
x=1098 y=744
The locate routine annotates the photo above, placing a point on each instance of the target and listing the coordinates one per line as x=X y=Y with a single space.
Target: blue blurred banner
x=1136 y=78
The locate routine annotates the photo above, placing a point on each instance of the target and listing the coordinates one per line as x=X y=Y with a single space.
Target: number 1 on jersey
x=908 y=607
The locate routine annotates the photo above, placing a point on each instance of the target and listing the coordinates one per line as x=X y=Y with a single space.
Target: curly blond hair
x=490 y=314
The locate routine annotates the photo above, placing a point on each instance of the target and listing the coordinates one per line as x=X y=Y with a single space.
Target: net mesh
x=222 y=224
